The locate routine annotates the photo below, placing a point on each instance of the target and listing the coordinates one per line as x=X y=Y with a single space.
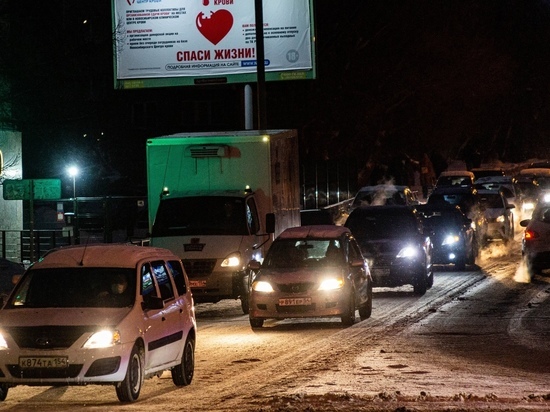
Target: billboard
x=184 y=42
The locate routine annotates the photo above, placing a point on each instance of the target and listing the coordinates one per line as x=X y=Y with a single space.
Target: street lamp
x=73 y=172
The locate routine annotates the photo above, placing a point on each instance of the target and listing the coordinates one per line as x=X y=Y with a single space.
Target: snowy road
x=476 y=340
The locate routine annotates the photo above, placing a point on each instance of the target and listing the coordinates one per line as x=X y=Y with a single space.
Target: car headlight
x=102 y=339
x=262 y=286
x=3 y=343
x=450 y=240
x=231 y=261
x=407 y=252
x=500 y=219
x=332 y=284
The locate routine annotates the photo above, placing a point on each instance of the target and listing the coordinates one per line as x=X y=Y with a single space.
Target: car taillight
x=530 y=234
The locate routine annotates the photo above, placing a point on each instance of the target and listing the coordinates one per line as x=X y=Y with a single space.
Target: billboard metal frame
x=191 y=80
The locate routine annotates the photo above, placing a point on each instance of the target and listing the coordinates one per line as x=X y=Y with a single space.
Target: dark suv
x=393 y=240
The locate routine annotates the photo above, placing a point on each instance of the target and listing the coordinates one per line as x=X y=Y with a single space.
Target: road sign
x=42 y=189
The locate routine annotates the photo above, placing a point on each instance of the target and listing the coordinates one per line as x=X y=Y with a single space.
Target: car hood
x=384 y=246
x=296 y=275
x=62 y=316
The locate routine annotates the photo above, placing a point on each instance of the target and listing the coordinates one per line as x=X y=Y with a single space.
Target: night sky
x=393 y=77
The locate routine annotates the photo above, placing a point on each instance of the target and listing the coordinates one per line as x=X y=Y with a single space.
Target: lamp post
x=73 y=172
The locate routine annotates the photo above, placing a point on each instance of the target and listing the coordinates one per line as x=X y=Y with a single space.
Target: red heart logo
x=215 y=27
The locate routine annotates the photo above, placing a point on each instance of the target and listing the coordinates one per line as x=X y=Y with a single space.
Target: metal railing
x=16 y=244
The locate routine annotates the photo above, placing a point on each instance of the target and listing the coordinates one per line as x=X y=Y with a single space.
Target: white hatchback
x=99 y=314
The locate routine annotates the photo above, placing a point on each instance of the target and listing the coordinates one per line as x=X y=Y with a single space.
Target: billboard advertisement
x=183 y=42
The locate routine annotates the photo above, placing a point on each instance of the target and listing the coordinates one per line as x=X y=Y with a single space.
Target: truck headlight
x=231 y=261
x=102 y=339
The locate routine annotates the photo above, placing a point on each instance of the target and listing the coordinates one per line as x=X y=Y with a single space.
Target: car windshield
x=75 y=288
x=302 y=253
x=454 y=181
x=381 y=226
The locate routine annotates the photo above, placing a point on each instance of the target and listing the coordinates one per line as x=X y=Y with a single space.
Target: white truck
x=218 y=200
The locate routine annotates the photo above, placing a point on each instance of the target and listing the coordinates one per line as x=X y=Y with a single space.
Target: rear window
x=381 y=226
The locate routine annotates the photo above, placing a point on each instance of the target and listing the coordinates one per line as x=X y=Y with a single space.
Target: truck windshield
x=202 y=215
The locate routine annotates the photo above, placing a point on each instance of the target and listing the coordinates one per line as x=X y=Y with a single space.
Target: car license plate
x=197 y=283
x=43 y=362
x=294 y=301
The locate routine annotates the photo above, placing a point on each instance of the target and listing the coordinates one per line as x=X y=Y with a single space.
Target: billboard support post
x=260 y=64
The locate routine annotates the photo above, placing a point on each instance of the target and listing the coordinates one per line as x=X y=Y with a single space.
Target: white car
x=99 y=314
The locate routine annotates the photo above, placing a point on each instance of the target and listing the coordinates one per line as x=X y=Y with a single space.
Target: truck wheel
x=256 y=323
x=128 y=390
x=3 y=391
x=182 y=374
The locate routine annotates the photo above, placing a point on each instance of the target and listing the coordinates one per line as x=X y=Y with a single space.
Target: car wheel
x=245 y=295
x=3 y=391
x=348 y=317
x=256 y=323
x=182 y=374
x=532 y=270
x=245 y=305
x=365 y=310
x=460 y=264
x=421 y=285
x=128 y=390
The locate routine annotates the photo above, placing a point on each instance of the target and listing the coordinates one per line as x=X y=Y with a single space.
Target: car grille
x=71 y=371
x=295 y=287
x=199 y=267
x=47 y=337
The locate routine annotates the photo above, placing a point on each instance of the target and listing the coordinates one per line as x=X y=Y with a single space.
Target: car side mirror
x=254 y=265
x=152 y=302
x=524 y=223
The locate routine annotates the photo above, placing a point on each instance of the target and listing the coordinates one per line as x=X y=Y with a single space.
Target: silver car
x=311 y=271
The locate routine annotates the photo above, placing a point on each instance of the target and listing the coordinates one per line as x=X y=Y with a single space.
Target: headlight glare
x=450 y=239
x=407 y=252
x=103 y=339
x=3 y=343
x=262 y=286
x=331 y=284
x=231 y=261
